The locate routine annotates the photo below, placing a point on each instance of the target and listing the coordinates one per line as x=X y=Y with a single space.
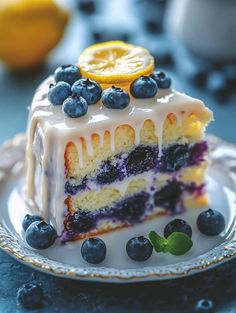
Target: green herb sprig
x=177 y=243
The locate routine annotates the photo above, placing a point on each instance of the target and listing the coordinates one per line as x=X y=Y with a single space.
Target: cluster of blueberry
x=147 y=86
x=75 y=93
x=41 y=235
x=38 y=234
x=72 y=91
x=210 y=223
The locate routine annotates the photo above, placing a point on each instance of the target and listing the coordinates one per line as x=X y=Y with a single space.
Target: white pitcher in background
x=206 y=27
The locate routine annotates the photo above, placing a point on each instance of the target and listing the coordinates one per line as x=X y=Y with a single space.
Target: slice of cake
x=95 y=165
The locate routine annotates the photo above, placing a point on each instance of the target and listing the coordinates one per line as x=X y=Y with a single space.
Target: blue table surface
x=16 y=91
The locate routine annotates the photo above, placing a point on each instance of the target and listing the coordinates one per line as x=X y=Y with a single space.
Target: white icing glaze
x=57 y=130
x=98 y=119
x=80 y=152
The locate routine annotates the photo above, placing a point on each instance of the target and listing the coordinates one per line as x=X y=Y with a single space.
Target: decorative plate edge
x=14 y=152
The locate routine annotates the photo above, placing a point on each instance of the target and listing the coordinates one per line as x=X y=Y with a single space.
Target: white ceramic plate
x=66 y=261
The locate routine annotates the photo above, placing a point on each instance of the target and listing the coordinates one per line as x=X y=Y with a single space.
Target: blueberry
x=40 y=235
x=59 y=93
x=101 y=34
x=75 y=106
x=88 y=89
x=211 y=222
x=29 y=219
x=73 y=188
x=81 y=222
x=194 y=70
x=197 y=153
x=177 y=225
x=133 y=208
x=163 y=54
x=168 y=196
x=69 y=73
x=108 y=173
x=115 y=98
x=93 y=250
x=217 y=85
x=87 y=6
x=141 y=159
x=143 y=87
x=175 y=157
x=30 y=296
x=204 y=306
x=162 y=80
x=139 y=248
x=153 y=26
x=230 y=75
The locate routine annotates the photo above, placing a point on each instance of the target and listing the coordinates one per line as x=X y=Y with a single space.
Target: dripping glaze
x=58 y=130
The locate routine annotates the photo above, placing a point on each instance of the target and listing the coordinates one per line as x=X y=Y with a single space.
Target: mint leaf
x=178 y=243
x=157 y=241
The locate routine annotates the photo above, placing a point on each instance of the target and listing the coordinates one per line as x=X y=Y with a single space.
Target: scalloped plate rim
x=10 y=244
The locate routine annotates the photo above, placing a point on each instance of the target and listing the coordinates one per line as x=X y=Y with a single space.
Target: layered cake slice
x=108 y=159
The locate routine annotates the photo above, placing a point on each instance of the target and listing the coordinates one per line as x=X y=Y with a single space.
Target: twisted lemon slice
x=115 y=62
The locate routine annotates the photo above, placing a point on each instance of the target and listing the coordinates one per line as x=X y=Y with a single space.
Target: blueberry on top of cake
x=115 y=147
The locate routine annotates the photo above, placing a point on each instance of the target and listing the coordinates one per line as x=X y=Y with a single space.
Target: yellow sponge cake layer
x=191 y=130
x=104 y=225
x=105 y=196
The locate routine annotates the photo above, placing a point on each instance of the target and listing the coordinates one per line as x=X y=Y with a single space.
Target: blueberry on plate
x=75 y=106
x=211 y=222
x=69 y=73
x=163 y=81
x=30 y=296
x=88 y=89
x=29 y=219
x=204 y=306
x=139 y=248
x=58 y=93
x=115 y=98
x=93 y=250
x=177 y=225
x=40 y=235
x=143 y=87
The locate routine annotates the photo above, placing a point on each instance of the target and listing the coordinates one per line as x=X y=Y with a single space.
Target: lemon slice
x=115 y=62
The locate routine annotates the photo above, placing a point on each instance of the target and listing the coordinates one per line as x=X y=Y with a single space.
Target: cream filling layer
x=149 y=182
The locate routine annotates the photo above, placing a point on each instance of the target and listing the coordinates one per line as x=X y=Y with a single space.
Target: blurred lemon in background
x=29 y=29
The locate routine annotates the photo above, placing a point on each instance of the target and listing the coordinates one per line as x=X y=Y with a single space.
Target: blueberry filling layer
x=132 y=209
x=139 y=160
